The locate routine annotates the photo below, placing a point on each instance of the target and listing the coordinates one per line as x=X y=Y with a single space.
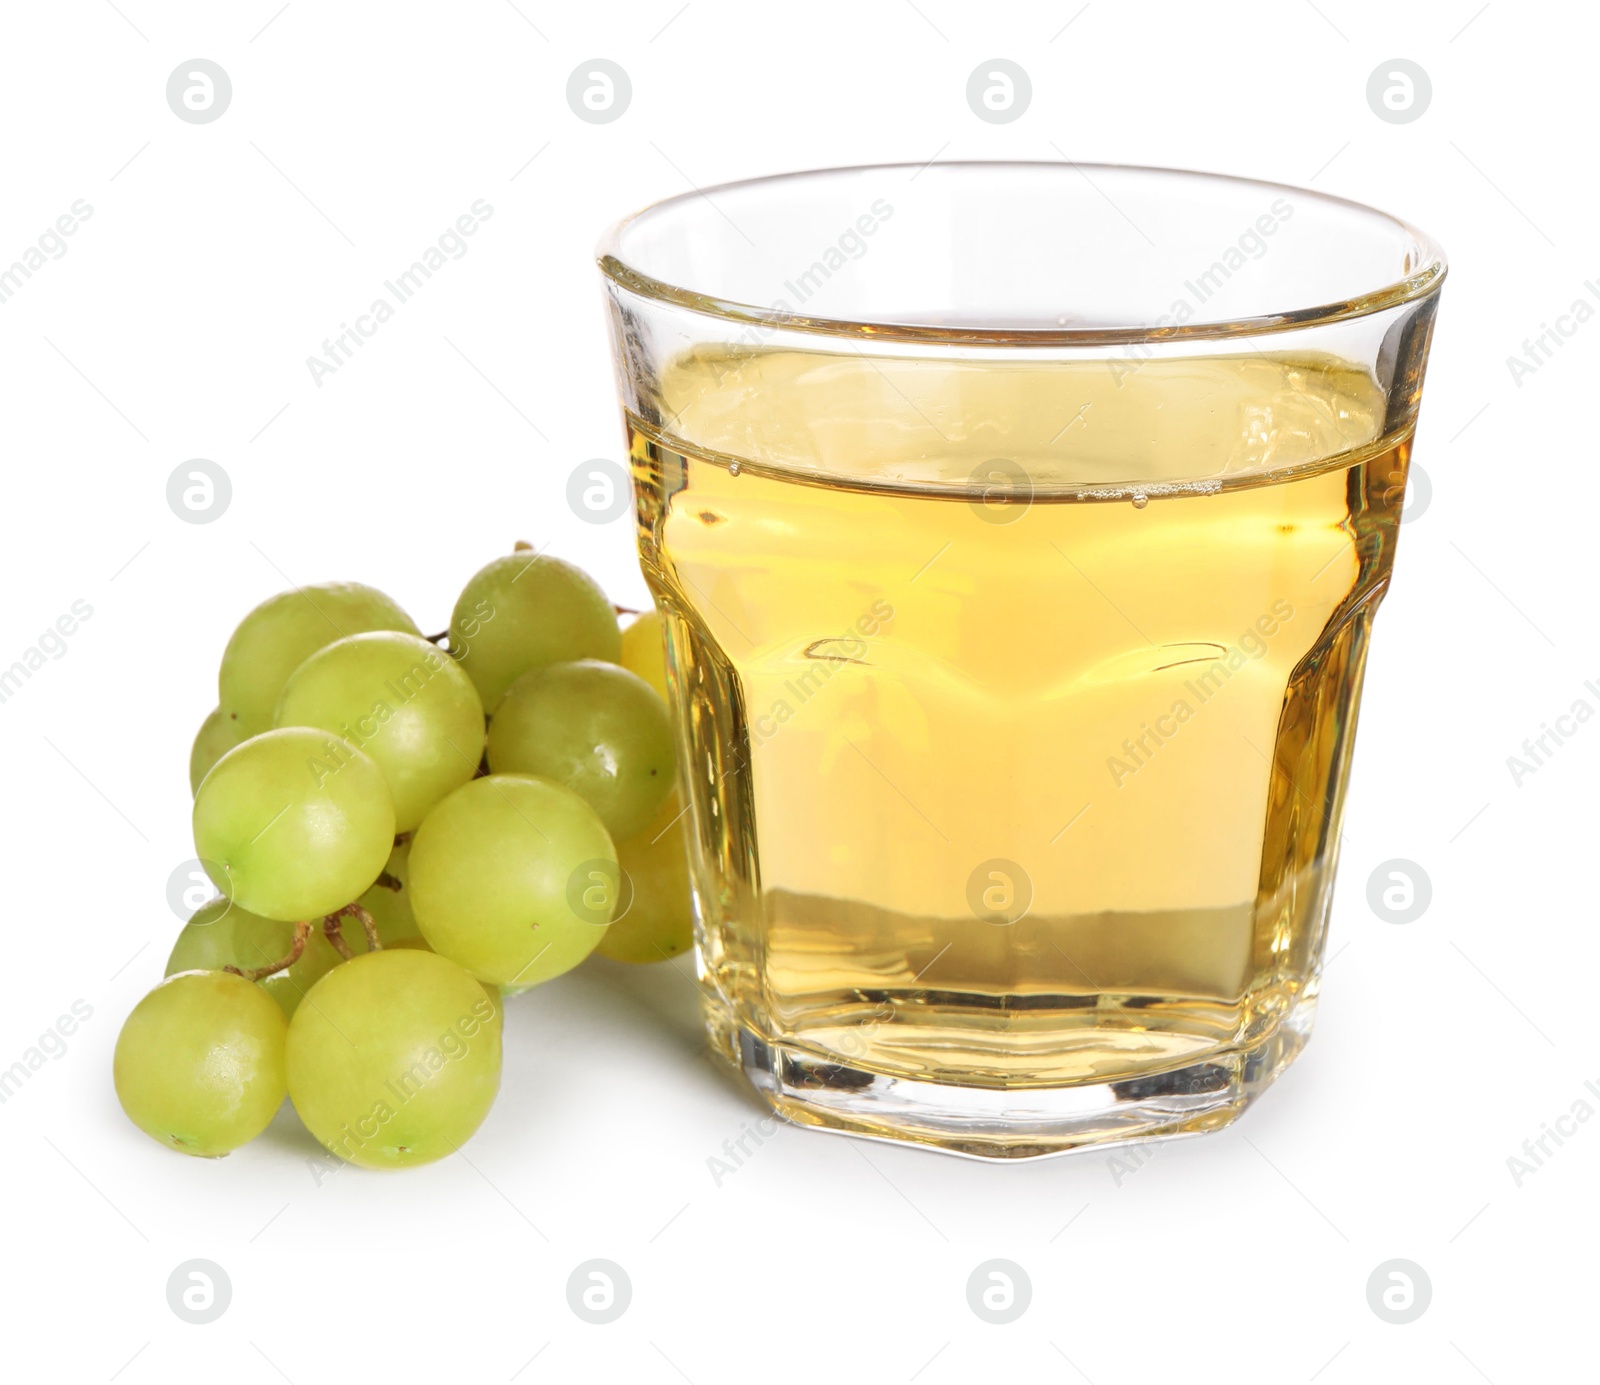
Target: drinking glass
x=1017 y=530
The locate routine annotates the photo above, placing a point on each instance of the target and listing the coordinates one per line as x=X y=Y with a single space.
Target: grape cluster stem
x=332 y=930
x=302 y=932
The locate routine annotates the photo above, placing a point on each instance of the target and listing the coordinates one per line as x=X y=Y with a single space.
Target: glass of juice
x=1017 y=530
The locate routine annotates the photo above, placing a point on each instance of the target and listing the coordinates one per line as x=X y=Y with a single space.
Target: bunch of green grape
x=402 y=832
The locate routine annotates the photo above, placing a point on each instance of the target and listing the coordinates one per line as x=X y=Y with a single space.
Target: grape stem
x=367 y=926
x=389 y=882
x=334 y=933
x=332 y=927
x=302 y=932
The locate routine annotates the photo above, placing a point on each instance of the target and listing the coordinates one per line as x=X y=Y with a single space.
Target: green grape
x=199 y=1064
x=390 y=903
x=293 y=824
x=216 y=737
x=502 y=879
x=394 y=1059
x=221 y=934
x=659 y=922
x=524 y=611
x=644 y=653
x=285 y=630
x=401 y=701
x=420 y=944
x=594 y=727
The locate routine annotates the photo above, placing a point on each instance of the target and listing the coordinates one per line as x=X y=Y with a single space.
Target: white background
x=177 y=326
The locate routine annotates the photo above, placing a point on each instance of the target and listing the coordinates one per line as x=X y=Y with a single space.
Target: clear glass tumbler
x=1017 y=530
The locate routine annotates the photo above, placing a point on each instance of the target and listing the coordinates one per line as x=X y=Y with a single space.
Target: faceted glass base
x=1026 y=1123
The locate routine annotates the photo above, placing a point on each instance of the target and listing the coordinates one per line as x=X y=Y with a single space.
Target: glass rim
x=1423 y=281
